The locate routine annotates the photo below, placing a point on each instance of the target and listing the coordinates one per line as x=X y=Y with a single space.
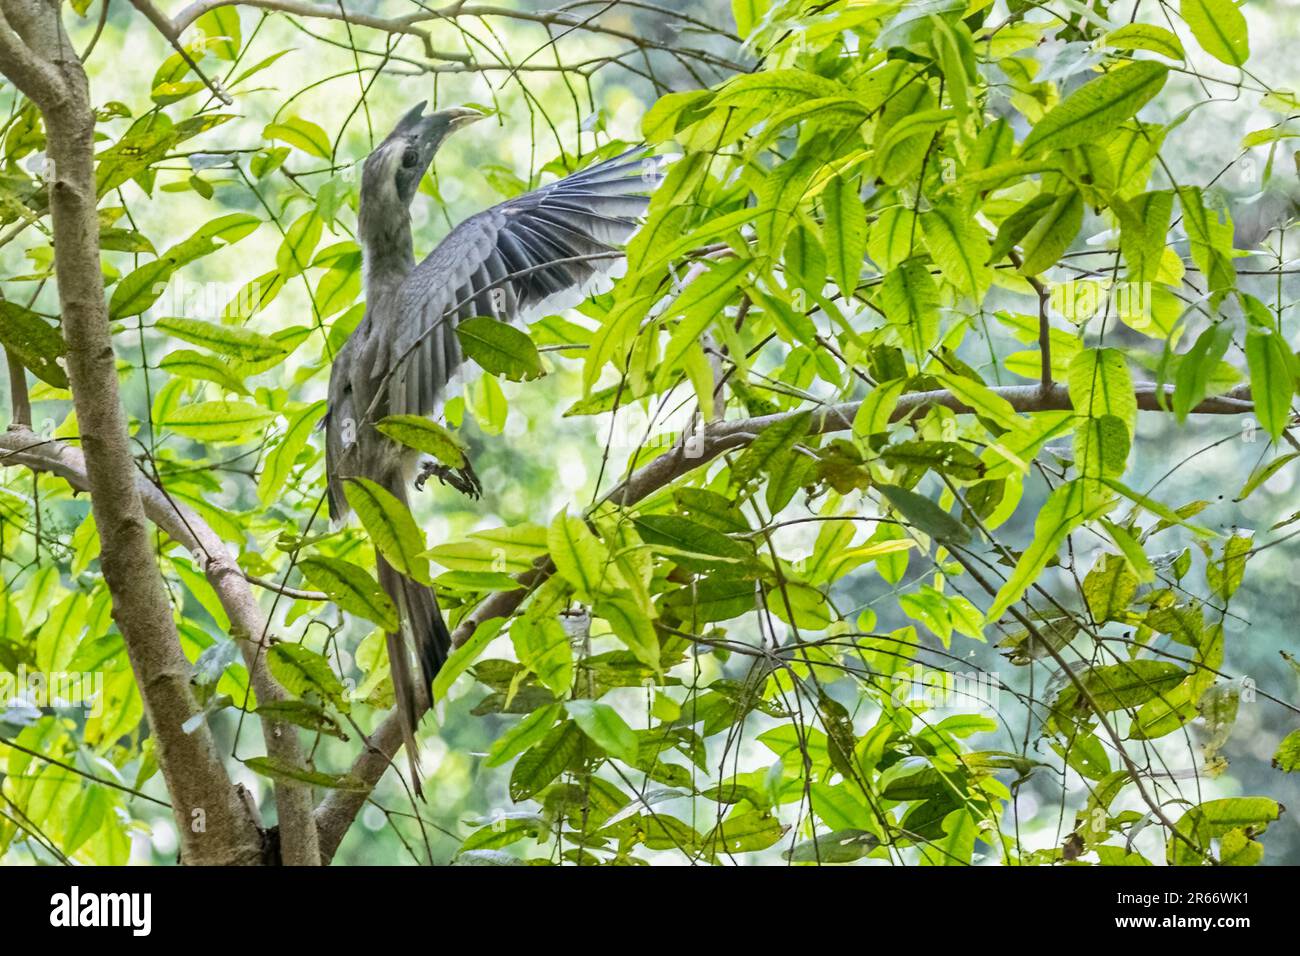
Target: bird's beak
x=461 y=116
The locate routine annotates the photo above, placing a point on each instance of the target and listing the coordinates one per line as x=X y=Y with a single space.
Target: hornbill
x=542 y=248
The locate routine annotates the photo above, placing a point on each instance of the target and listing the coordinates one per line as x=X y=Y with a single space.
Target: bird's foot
x=462 y=479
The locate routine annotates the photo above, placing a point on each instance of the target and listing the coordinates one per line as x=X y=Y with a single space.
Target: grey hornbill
x=537 y=248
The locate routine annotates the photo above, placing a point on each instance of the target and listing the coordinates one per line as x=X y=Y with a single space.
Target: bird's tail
x=416 y=651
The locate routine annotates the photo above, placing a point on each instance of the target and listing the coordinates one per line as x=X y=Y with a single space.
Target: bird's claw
x=462 y=479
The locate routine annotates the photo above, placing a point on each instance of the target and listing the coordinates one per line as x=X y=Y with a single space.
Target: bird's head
x=393 y=170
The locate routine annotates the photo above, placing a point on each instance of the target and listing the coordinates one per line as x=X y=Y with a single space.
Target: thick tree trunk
x=216 y=825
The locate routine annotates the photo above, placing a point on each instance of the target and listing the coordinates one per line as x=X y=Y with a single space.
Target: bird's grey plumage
x=540 y=249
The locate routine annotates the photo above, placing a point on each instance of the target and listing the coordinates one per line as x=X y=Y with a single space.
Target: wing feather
x=542 y=248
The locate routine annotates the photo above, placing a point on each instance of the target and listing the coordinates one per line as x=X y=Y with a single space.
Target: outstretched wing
x=540 y=250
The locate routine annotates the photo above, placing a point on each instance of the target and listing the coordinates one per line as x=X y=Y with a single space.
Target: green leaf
x=776 y=89
x=747 y=14
x=1243 y=817
x=1287 y=758
x=1196 y=368
x=523 y=735
x=1272 y=378
x=187 y=363
x=147 y=142
x=877 y=408
x=1155 y=507
x=1209 y=236
x=890 y=239
x=1129 y=684
x=212 y=236
x=631 y=626
x=390 y=526
x=1144 y=36
x=278 y=769
x=488 y=404
x=85 y=816
x=770 y=446
x=699 y=304
x=946 y=457
x=1131 y=549
x=1066 y=508
x=1096 y=108
x=280 y=460
x=352 y=588
x=955 y=53
x=992 y=177
x=845 y=231
x=33 y=342
x=716 y=598
x=59 y=635
x=1220 y=28
x=545 y=761
x=141 y=288
x=303 y=134
x=301 y=714
x=578 y=554
x=684 y=536
x=422 y=434
x=901 y=148
x=1050 y=237
x=606 y=728
x=746 y=832
x=339 y=286
x=231 y=340
x=220 y=27
x=960 y=248
x=1100 y=384
x=1101 y=446
x=1144 y=225
x=1109 y=587
x=543 y=647
x=500 y=348
x=805 y=259
x=1224 y=575
x=300 y=240
x=982 y=400
x=839 y=846
x=217 y=421
x=465 y=655
x=1263 y=473
x=780 y=194
x=302 y=671
x=910 y=299
x=924 y=515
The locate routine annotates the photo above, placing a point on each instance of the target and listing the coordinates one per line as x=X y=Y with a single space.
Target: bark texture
x=214 y=823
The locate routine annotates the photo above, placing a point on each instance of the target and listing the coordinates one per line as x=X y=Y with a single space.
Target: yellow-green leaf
x=1096 y=108
x=351 y=587
x=217 y=421
x=1066 y=508
x=1220 y=28
x=390 y=526
x=422 y=434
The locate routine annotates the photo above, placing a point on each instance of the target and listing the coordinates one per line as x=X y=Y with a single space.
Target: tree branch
x=172 y=36
x=214 y=824
x=408 y=24
x=336 y=813
x=300 y=8
x=20 y=403
x=1044 y=323
x=298 y=845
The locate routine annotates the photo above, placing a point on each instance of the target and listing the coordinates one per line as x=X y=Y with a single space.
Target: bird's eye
x=410 y=158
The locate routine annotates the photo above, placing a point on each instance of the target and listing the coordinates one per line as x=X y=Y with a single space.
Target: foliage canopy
x=921 y=281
